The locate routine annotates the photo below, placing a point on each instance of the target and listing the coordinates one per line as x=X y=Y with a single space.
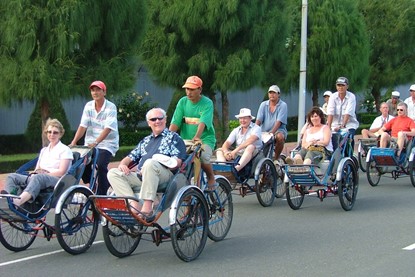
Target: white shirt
x=380 y=121
x=50 y=159
x=338 y=108
x=237 y=137
x=411 y=107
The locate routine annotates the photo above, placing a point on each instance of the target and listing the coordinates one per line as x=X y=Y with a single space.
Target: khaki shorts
x=206 y=154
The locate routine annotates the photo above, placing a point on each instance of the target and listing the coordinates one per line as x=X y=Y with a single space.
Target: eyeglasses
x=400 y=110
x=52 y=132
x=154 y=119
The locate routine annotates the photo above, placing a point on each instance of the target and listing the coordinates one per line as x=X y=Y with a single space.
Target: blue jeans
x=337 y=137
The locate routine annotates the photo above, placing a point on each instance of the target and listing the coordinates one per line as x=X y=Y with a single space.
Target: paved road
x=320 y=239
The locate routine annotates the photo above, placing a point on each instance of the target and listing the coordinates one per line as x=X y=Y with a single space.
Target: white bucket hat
x=167 y=161
x=244 y=112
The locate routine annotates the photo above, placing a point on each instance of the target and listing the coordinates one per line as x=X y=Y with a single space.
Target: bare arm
x=79 y=134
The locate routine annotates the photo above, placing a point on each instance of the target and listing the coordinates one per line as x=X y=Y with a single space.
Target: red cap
x=193 y=82
x=99 y=84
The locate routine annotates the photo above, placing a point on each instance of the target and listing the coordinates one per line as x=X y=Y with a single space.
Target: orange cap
x=193 y=82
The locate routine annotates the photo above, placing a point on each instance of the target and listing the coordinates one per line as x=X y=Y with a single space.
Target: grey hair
x=155 y=109
x=403 y=104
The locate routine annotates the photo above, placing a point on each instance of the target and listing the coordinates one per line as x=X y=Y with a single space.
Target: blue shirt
x=268 y=118
x=167 y=143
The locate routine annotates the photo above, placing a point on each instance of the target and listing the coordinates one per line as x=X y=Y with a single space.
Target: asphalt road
x=320 y=239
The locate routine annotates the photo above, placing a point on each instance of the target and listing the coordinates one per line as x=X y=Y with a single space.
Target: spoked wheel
x=220 y=210
x=372 y=173
x=266 y=184
x=17 y=236
x=295 y=196
x=362 y=161
x=348 y=186
x=77 y=222
x=280 y=190
x=121 y=240
x=411 y=171
x=189 y=232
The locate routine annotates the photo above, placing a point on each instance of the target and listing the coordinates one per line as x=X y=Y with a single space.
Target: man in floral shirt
x=150 y=172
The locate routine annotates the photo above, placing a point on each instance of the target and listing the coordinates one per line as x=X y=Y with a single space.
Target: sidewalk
x=287 y=148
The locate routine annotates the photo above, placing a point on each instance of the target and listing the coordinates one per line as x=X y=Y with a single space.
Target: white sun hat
x=244 y=112
x=167 y=161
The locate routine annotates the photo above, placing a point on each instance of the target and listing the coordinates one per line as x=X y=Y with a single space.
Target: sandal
x=147 y=217
x=211 y=188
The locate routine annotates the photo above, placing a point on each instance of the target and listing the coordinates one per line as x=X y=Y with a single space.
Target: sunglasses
x=340 y=85
x=399 y=110
x=154 y=119
x=52 y=132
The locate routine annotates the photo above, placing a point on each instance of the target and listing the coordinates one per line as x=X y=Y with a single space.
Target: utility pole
x=303 y=68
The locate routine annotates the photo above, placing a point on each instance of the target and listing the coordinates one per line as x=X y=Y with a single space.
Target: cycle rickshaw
x=380 y=161
x=75 y=224
x=195 y=214
x=267 y=176
x=336 y=176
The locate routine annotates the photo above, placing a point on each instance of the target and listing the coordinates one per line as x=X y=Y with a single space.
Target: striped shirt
x=95 y=122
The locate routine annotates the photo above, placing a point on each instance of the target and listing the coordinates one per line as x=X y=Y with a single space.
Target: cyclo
x=363 y=149
x=266 y=175
x=195 y=213
x=380 y=161
x=75 y=224
x=337 y=176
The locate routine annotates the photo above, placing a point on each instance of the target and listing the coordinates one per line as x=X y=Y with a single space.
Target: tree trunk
x=225 y=114
x=315 y=97
x=376 y=95
x=44 y=115
x=216 y=120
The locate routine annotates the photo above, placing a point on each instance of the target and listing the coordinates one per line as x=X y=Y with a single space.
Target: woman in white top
x=316 y=142
x=54 y=162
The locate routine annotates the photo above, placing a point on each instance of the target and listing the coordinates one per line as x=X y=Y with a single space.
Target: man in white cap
x=393 y=102
x=272 y=117
x=326 y=97
x=410 y=102
x=247 y=140
x=341 y=109
x=99 y=122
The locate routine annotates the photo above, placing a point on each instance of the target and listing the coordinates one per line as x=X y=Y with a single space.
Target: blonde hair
x=54 y=123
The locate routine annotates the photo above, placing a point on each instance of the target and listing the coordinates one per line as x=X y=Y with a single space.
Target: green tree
x=337 y=45
x=229 y=44
x=391 y=34
x=53 y=49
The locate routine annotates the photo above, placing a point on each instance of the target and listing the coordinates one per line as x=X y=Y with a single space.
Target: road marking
x=410 y=247
x=38 y=256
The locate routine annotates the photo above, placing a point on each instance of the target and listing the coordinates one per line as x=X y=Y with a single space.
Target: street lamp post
x=303 y=68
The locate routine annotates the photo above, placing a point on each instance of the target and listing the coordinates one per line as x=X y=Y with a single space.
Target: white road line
x=410 y=247
x=38 y=256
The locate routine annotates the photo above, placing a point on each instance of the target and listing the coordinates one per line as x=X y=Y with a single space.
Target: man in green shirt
x=194 y=117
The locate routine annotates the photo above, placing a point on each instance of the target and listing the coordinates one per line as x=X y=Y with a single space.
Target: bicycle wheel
x=189 y=232
x=411 y=172
x=220 y=210
x=265 y=185
x=362 y=161
x=121 y=240
x=348 y=186
x=295 y=196
x=280 y=190
x=17 y=236
x=77 y=222
x=372 y=173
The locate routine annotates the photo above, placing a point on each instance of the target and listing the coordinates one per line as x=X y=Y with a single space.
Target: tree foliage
x=229 y=44
x=391 y=34
x=54 y=49
x=337 y=45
